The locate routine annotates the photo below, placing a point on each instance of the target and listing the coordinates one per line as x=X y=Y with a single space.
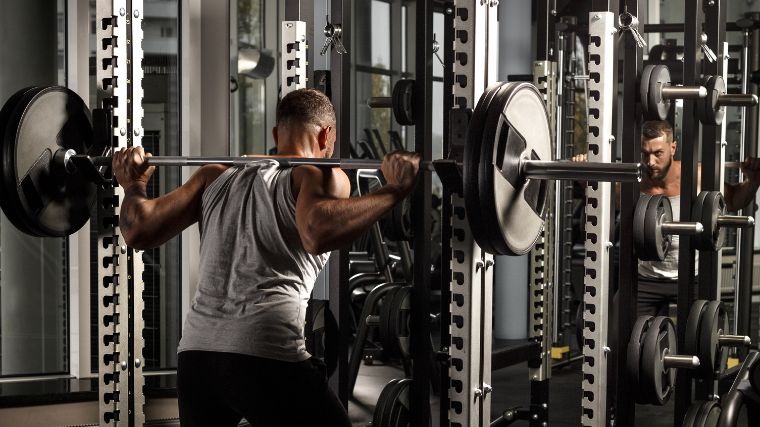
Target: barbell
x=51 y=154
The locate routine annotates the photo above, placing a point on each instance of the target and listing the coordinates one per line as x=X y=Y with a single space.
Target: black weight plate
x=658 y=106
x=710 y=415
x=403 y=101
x=471 y=164
x=516 y=129
x=387 y=338
x=400 y=322
x=634 y=354
x=400 y=409
x=9 y=202
x=646 y=73
x=398 y=226
x=710 y=205
x=690 y=419
x=656 y=381
x=47 y=202
x=639 y=236
x=383 y=405
x=708 y=110
x=691 y=340
x=658 y=211
x=713 y=323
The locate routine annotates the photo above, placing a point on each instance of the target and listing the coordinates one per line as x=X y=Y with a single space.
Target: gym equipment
x=653 y=358
x=709 y=209
x=705 y=336
x=653 y=225
x=743 y=394
x=656 y=91
x=321 y=333
x=50 y=169
x=702 y=413
x=400 y=102
x=392 y=408
x=710 y=110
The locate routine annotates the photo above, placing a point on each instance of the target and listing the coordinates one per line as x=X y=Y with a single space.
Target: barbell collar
x=581 y=171
x=734 y=341
x=380 y=102
x=682 y=362
x=735 y=221
x=682 y=228
x=684 y=92
x=737 y=100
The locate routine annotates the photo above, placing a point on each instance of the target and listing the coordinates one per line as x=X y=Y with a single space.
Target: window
x=34 y=286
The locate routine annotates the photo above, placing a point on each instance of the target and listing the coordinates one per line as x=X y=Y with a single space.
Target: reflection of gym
x=379 y=213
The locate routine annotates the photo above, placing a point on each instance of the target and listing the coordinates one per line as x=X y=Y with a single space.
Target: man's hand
x=400 y=170
x=579 y=158
x=751 y=169
x=129 y=167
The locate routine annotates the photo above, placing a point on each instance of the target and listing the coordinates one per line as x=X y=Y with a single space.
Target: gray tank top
x=667 y=268
x=255 y=277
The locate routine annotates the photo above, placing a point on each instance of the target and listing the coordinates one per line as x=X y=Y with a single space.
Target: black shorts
x=219 y=389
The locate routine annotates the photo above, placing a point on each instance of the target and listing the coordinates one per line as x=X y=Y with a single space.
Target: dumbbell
x=653 y=225
x=705 y=336
x=710 y=110
x=656 y=92
x=401 y=102
x=653 y=358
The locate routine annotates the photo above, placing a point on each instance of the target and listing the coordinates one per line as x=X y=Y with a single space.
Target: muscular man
x=658 y=279
x=266 y=232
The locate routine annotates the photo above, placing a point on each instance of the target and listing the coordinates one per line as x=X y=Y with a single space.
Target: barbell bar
x=51 y=163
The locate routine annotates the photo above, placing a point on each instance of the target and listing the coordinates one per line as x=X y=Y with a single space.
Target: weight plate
x=384 y=404
x=655 y=380
x=399 y=414
x=702 y=414
x=708 y=110
x=639 y=236
x=402 y=303
x=398 y=226
x=658 y=106
x=471 y=164
x=689 y=420
x=387 y=337
x=646 y=73
x=691 y=340
x=658 y=212
x=402 y=101
x=516 y=129
x=37 y=197
x=713 y=323
x=709 y=205
x=10 y=205
x=634 y=354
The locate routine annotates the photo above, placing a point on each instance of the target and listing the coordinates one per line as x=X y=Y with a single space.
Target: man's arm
x=146 y=223
x=739 y=195
x=327 y=219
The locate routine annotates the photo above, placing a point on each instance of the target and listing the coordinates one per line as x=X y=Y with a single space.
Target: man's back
x=255 y=278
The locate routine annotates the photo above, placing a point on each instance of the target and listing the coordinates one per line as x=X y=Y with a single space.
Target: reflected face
x=657 y=155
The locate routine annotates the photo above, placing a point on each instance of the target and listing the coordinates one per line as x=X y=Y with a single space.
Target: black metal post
x=689 y=156
x=423 y=144
x=625 y=409
x=340 y=67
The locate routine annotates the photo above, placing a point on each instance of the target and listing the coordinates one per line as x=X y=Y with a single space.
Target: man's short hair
x=656 y=128
x=305 y=107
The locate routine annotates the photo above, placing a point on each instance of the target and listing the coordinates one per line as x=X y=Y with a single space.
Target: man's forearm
x=131 y=216
x=739 y=195
x=334 y=224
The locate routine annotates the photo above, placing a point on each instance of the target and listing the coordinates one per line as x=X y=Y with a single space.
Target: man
x=657 y=284
x=265 y=234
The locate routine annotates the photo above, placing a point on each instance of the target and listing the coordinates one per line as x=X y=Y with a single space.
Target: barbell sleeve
x=678 y=361
x=734 y=340
x=380 y=102
x=737 y=100
x=736 y=221
x=682 y=228
x=581 y=171
x=684 y=92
